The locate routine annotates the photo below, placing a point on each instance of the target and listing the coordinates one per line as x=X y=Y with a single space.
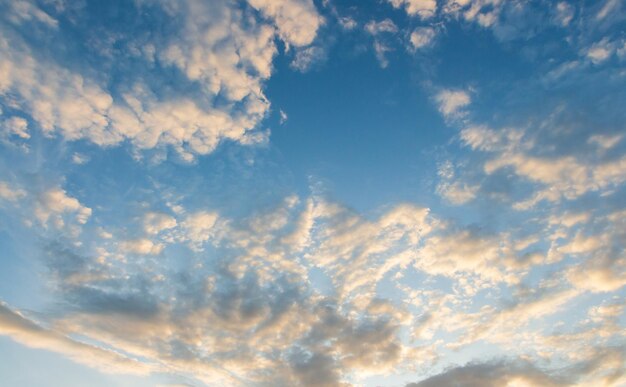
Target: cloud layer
x=170 y=235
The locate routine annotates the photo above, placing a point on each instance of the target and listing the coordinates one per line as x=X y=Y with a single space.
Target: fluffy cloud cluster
x=50 y=208
x=297 y=20
x=559 y=177
x=273 y=321
x=219 y=48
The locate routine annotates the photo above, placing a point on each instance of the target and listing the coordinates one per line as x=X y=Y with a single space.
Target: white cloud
x=386 y=26
x=483 y=12
x=457 y=192
x=608 y=7
x=456 y=252
x=600 y=277
x=294 y=294
x=381 y=49
x=504 y=373
x=155 y=222
x=14 y=325
x=225 y=54
x=452 y=188
x=422 y=37
x=79 y=158
x=54 y=205
x=564 y=13
x=308 y=57
x=347 y=23
x=20 y=11
x=199 y=227
x=300 y=237
x=452 y=102
x=559 y=176
x=10 y=193
x=297 y=20
x=141 y=246
x=423 y=8
x=16 y=126
x=255 y=288
x=569 y=219
x=357 y=253
x=606 y=141
x=283 y=117
x=600 y=51
x=380 y=31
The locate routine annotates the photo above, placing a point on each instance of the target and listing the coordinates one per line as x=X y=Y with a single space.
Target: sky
x=402 y=193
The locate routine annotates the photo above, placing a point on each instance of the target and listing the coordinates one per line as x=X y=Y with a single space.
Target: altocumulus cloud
x=515 y=277
x=226 y=64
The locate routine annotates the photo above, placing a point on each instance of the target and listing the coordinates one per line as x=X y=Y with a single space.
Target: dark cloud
x=493 y=374
x=604 y=368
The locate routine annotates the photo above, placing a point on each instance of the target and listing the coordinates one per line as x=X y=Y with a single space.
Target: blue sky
x=312 y=193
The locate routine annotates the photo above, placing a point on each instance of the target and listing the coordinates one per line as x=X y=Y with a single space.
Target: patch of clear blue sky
x=374 y=135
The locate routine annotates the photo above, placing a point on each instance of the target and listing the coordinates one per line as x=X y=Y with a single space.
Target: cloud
x=297 y=20
x=216 y=49
x=271 y=321
x=559 y=177
x=16 y=126
x=155 y=222
x=453 y=189
x=21 y=11
x=269 y=324
x=608 y=7
x=54 y=205
x=423 y=8
x=199 y=227
x=141 y=246
x=600 y=276
x=380 y=31
x=357 y=253
x=452 y=252
x=604 y=267
x=347 y=23
x=512 y=20
x=307 y=58
x=457 y=193
x=260 y=332
x=9 y=193
x=385 y=26
x=600 y=51
x=422 y=37
x=452 y=102
x=606 y=141
x=564 y=13
x=283 y=117
x=79 y=158
x=602 y=369
x=503 y=373
x=484 y=12
x=305 y=291
x=14 y=325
